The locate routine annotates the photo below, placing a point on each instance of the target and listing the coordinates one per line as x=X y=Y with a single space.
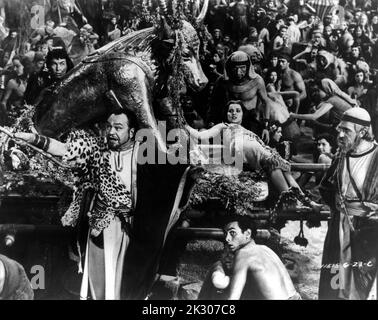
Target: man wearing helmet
x=240 y=82
x=349 y=264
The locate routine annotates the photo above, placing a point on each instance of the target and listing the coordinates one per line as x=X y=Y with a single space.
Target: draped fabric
x=157 y=188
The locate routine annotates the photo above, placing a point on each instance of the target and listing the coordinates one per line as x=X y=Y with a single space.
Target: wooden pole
x=59 y=14
x=308 y=167
x=24 y=143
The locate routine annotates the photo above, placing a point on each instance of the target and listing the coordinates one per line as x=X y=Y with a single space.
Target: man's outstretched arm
x=321 y=111
x=52 y=146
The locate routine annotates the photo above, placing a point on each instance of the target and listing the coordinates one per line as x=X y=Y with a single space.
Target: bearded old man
x=350 y=188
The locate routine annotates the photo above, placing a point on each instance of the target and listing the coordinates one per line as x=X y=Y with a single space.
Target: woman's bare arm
x=324 y=108
x=206 y=134
x=289 y=94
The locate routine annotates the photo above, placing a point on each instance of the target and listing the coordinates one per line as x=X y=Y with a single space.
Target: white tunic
x=359 y=165
x=103 y=267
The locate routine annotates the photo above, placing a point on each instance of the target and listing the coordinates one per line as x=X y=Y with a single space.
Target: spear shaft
x=24 y=143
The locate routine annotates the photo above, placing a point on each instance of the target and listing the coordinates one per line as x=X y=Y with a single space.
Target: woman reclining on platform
x=241 y=142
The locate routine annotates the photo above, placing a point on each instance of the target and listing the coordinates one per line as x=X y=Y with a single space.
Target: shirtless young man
x=291 y=81
x=256 y=272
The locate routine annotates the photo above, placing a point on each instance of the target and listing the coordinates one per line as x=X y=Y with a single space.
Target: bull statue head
x=182 y=42
x=168 y=54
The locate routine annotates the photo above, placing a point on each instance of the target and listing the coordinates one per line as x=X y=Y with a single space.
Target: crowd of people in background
x=321 y=60
x=313 y=60
x=286 y=64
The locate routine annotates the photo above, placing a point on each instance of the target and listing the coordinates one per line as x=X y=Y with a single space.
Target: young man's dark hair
x=279 y=17
x=244 y=222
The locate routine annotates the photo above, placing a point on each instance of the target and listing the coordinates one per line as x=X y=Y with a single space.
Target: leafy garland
x=234 y=194
x=42 y=178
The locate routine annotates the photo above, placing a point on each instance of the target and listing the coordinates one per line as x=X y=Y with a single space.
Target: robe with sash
x=349 y=264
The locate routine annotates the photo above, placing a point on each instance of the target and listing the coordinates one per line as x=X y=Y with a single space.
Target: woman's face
x=314 y=53
x=18 y=67
x=355 y=52
x=363 y=19
x=273 y=77
x=374 y=20
x=358 y=32
x=39 y=65
x=328 y=30
x=235 y=113
x=274 y=61
x=359 y=77
x=323 y=146
x=220 y=51
x=278 y=134
x=253 y=34
x=44 y=49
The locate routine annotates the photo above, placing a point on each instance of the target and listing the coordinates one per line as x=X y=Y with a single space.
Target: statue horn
x=163 y=7
x=167 y=30
x=202 y=14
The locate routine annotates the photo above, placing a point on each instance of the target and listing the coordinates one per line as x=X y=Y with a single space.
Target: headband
x=352 y=119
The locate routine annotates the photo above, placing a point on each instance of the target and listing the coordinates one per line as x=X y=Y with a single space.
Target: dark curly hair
x=225 y=110
x=59 y=53
x=245 y=222
x=330 y=139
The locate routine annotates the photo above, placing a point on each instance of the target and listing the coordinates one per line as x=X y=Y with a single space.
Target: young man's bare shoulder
x=295 y=74
x=251 y=257
x=12 y=84
x=259 y=80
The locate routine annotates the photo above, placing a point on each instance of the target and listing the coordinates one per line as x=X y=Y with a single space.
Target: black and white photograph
x=188 y=151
